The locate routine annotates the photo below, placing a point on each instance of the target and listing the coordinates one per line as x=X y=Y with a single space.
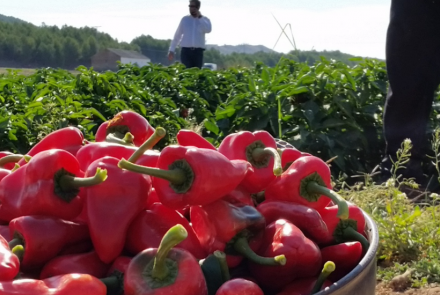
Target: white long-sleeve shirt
x=191 y=32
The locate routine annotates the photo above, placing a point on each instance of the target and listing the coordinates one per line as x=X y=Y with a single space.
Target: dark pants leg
x=413 y=66
x=192 y=57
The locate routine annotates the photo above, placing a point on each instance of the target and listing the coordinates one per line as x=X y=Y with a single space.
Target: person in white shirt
x=191 y=36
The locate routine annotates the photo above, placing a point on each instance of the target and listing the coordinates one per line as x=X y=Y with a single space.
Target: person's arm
x=205 y=24
x=177 y=37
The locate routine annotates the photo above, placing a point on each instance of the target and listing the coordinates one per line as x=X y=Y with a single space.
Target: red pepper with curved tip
x=147 y=230
x=307 y=219
x=9 y=262
x=68 y=284
x=165 y=270
x=308 y=286
x=47 y=185
x=346 y=257
x=259 y=149
x=349 y=230
x=302 y=254
x=239 y=286
x=84 y=263
x=123 y=122
x=8 y=160
x=227 y=227
x=190 y=175
x=69 y=139
x=43 y=237
x=124 y=196
x=187 y=137
x=308 y=182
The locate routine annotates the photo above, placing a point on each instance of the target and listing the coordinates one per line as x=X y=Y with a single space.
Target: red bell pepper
x=119 y=265
x=46 y=186
x=147 y=230
x=44 y=237
x=8 y=160
x=124 y=196
x=84 y=263
x=307 y=182
x=239 y=286
x=307 y=286
x=303 y=256
x=123 y=122
x=348 y=230
x=226 y=227
x=187 y=137
x=190 y=176
x=9 y=262
x=165 y=270
x=69 y=139
x=239 y=196
x=346 y=256
x=68 y=284
x=288 y=156
x=4 y=232
x=153 y=198
x=307 y=219
x=259 y=149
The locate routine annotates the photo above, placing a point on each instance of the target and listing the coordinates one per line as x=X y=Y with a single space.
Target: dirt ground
x=383 y=289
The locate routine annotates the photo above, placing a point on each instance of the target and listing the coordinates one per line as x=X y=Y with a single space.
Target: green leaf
x=211 y=126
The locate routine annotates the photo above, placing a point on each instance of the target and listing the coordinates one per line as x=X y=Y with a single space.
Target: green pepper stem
x=67 y=182
x=241 y=245
x=158 y=134
x=175 y=176
x=18 y=251
x=258 y=153
x=172 y=237
x=314 y=187
x=221 y=256
x=10 y=159
x=15 y=242
x=328 y=268
x=126 y=140
x=16 y=166
x=350 y=234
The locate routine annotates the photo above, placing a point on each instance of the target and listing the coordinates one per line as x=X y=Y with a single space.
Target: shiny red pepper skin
x=308 y=220
x=346 y=257
x=288 y=156
x=328 y=214
x=147 y=230
x=209 y=167
x=9 y=262
x=123 y=122
x=84 y=263
x=123 y=194
x=191 y=138
x=94 y=151
x=303 y=256
x=119 y=265
x=69 y=284
x=44 y=237
x=153 y=198
x=239 y=286
x=4 y=173
x=69 y=139
x=303 y=286
x=189 y=279
x=29 y=190
x=234 y=147
x=287 y=186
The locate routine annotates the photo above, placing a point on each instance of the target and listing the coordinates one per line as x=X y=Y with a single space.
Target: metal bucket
x=362 y=279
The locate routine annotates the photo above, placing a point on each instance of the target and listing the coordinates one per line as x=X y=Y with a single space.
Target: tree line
x=25 y=45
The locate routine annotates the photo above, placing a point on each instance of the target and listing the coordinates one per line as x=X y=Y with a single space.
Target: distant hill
x=10 y=19
x=243 y=48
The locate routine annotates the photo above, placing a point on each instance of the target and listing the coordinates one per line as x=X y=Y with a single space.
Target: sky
x=356 y=27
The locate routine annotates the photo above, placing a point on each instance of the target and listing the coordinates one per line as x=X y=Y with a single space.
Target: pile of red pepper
x=116 y=216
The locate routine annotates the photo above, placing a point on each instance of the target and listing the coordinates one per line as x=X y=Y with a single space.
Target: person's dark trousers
x=413 y=66
x=192 y=57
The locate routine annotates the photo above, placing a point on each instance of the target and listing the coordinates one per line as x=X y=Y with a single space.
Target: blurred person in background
x=190 y=34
